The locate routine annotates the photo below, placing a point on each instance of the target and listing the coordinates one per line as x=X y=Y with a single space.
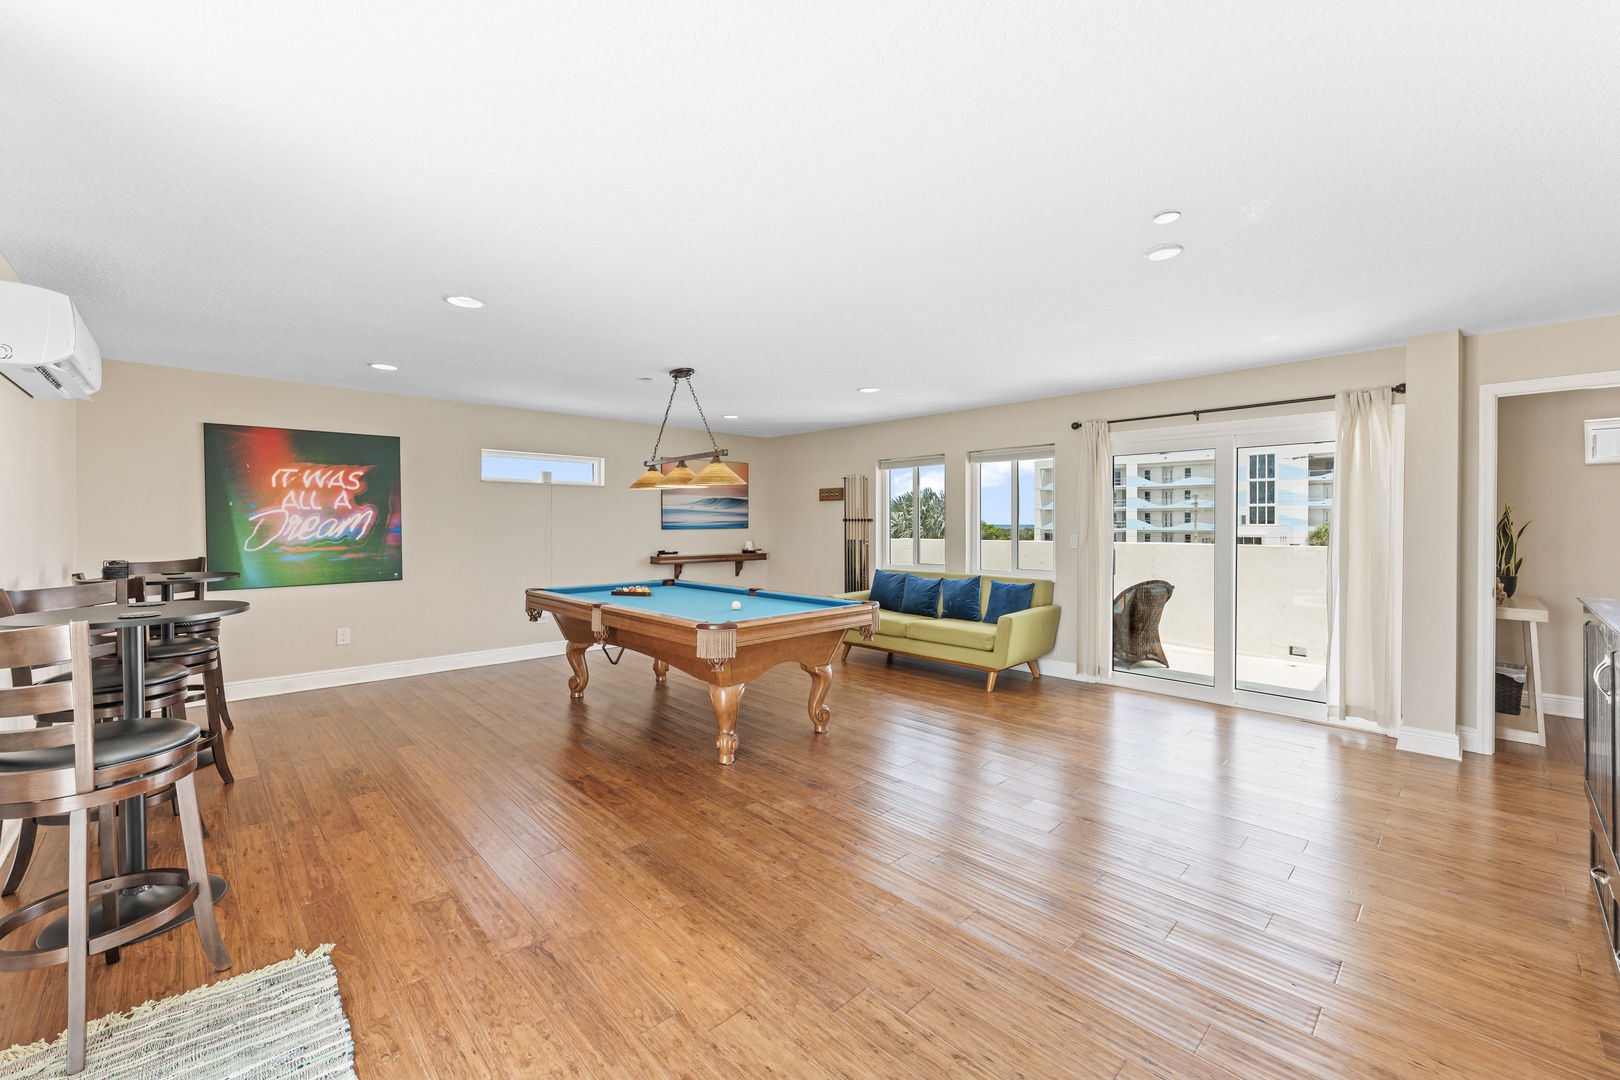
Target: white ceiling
x=947 y=200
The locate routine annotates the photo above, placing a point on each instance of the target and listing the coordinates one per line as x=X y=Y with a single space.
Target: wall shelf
x=736 y=557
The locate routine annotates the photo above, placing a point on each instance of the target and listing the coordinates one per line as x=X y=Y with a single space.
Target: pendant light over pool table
x=714 y=474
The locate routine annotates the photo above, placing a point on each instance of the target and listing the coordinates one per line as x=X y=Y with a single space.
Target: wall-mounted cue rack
x=857 y=533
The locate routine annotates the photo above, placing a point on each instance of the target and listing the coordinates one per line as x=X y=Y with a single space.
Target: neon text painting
x=290 y=507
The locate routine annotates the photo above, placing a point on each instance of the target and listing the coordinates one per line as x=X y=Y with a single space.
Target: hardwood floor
x=1053 y=880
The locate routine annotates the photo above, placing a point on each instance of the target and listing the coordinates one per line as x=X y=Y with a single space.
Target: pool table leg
x=725 y=700
x=582 y=674
x=820 y=683
x=660 y=670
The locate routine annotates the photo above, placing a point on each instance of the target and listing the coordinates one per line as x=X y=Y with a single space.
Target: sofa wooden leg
x=1033 y=670
x=990 y=683
x=845 y=654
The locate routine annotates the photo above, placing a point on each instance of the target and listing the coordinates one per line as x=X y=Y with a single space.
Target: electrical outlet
x=1074 y=540
x=343 y=635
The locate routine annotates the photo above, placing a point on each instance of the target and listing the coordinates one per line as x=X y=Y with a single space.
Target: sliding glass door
x=1164 y=564
x=1220 y=561
x=1284 y=519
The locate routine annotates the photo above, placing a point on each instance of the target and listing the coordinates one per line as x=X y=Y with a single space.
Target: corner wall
x=36 y=489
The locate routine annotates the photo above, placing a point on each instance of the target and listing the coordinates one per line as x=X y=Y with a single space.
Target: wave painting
x=708 y=508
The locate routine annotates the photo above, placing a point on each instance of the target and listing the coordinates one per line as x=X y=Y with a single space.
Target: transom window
x=521 y=467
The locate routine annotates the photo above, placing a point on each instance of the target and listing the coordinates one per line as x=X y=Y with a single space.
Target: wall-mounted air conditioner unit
x=44 y=346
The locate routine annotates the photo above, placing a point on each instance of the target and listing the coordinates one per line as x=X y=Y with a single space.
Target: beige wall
x=808 y=534
x=36 y=489
x=470 y=548
x=1574 y=513
x=1430 y=627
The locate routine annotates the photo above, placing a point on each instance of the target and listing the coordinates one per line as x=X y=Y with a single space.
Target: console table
x=1528 y=611
x=737 y=557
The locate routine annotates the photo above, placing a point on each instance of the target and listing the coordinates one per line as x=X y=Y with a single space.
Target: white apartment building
x=1283 y=492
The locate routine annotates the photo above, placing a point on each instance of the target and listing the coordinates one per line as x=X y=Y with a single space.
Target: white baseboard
x=242 y=689
x=1442 y=744
x=1563 y=705
x=1058 y=669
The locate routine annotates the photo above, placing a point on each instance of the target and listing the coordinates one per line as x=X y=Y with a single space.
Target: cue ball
x=736 y=605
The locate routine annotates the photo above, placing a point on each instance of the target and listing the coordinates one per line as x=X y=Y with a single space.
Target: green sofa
x=1020 y=638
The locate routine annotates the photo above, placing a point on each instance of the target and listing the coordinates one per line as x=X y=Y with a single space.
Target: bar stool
x=205 y=628
x=165 y=689
x=70 y=769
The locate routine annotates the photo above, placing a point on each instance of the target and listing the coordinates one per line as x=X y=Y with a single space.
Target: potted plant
x=1508 y=559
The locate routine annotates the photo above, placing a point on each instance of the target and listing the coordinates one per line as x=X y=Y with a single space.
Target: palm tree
x=900 y=516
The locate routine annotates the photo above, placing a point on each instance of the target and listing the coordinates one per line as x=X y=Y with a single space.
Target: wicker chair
x=1136 y=623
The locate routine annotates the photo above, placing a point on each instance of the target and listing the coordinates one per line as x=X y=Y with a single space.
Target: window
x=1014 y=496
x=1262 y=489
x=1187 y=475
x=1186 y=517
x=914 y=512
x=519 y=467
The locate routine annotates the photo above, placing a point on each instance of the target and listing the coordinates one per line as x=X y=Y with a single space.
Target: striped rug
x=281 y=1020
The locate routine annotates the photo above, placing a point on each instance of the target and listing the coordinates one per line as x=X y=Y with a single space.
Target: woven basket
x=1509 y=693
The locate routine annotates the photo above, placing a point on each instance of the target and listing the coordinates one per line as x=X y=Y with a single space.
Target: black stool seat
x=105 y=678
x=183 y=646
x=116 y=741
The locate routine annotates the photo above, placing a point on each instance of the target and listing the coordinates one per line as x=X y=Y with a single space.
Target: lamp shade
x=649 y=479
x=715 y=474
x=679 y=476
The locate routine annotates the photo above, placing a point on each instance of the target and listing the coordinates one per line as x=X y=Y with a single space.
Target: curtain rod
x=1398 y=388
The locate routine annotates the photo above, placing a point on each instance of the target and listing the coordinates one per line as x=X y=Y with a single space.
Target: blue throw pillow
x=887 y=589
x=922 y=596
x=1006 y=598
x=960 y=597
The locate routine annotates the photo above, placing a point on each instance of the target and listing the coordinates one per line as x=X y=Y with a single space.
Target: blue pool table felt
x=703 y=603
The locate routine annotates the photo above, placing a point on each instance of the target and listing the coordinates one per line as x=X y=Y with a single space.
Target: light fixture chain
x=676 y=385
x=705 y=419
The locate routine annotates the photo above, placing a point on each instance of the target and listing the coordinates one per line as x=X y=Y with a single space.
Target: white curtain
x=1096 y=585
x=1362 y=602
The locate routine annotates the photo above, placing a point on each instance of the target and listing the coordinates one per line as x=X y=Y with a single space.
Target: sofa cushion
x=954 y=632
x=1007 y=599
x=887 y=589
x=892 y=623
x=921 y=596
x=959 y=599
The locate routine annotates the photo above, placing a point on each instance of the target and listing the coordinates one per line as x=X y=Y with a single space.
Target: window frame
x=914 y=465
x=598 y=467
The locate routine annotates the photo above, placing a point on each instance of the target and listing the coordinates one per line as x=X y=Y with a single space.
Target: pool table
x=722 y=635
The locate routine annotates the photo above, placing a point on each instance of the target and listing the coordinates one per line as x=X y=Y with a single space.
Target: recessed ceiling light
x=1163 y=252
x=729 y=416
x=870 y=389
x=1155 y=356
x=463 y=301
x=1272 y=337
x=1166 y=217
x=385 y=367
